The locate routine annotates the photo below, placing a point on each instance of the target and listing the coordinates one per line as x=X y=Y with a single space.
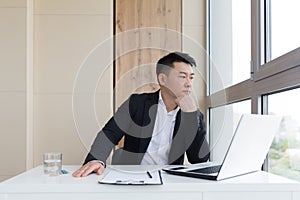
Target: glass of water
x=52 y=163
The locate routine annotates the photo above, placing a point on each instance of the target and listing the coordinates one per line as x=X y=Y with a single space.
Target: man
x=158 y=128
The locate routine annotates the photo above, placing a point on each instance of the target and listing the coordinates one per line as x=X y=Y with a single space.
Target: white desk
x=34 y=185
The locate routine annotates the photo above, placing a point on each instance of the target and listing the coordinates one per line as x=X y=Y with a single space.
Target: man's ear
x=162 y=79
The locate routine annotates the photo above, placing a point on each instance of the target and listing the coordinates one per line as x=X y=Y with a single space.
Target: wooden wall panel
x=145 y=31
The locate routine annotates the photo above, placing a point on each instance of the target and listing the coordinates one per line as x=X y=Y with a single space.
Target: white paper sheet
x=119 y=177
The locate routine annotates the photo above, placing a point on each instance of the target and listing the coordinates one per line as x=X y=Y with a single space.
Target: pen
x=149 y=174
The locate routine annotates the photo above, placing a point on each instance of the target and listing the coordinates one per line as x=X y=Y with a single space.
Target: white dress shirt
x=160 y=144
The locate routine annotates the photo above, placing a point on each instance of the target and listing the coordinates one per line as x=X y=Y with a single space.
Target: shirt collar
x=161 y=102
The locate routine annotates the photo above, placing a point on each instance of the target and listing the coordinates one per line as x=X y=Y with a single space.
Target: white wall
x=12 y=87
x=43 y=45
x=66 y=31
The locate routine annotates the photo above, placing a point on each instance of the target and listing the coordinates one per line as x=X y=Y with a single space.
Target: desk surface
x=34 y=181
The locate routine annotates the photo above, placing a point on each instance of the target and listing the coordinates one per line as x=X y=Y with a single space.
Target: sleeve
x=189 y=138
x=198 y=151
x=111 y=133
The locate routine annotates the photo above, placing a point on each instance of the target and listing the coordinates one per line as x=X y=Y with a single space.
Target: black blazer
x=135 y=120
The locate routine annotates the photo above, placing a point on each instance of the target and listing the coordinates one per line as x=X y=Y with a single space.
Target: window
x=230 y=44
x=274 y=33
x=285 y=30
x=284 y=156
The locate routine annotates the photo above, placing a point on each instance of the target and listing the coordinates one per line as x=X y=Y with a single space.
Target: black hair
x=165 y=64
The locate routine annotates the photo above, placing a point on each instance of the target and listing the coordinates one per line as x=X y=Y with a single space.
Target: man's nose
x=188 y=82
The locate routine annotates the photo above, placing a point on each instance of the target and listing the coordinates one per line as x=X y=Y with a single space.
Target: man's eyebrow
x=186 y=73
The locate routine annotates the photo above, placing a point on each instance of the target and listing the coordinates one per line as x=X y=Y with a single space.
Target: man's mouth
x=186 y=91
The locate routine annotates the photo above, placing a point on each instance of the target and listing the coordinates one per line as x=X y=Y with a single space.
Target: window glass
x=224 y=120
x=285 y=30
x=230 y=42
x=284 y=155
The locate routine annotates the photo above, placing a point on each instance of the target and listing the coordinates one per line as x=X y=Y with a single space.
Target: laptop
x=246 y=153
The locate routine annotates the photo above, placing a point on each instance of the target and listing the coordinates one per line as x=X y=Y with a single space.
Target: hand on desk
x=88 y=168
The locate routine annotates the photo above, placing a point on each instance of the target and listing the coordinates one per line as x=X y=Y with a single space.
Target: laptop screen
x=249 y=145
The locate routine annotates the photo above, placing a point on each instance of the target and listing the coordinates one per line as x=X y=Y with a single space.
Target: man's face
x=179 y=80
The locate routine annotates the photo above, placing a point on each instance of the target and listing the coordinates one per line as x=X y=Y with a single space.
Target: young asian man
x=158 y=128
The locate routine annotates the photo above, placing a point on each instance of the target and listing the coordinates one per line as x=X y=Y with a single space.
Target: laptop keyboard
x=208 y=170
